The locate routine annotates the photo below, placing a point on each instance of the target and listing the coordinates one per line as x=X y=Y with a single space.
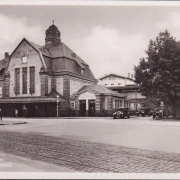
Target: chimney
x=128 y=75
x=6 y=54
x=131 y=76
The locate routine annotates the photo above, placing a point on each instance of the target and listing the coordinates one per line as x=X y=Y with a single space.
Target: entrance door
x=91 y=107
x=82 y=107
x=31 y=110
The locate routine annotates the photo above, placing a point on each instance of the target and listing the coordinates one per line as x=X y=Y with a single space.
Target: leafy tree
x=159 y=73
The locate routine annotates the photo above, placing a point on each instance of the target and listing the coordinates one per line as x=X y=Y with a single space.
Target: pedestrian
x=1 y=114
x=26 y=113
x=16 y=113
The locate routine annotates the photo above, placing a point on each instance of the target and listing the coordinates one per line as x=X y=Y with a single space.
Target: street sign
x=162 y=104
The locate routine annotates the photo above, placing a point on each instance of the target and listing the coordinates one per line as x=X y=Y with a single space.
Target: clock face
x=24 y=59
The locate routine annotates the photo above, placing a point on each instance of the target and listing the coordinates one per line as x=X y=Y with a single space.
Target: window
x=73 y=105
x=24 y=80
x=17 y=81
x=119 y=84
x=106 y=103
x=24 y=59
x=32 y=80
x=112 y=84
x=120 y=103
x=114 y=103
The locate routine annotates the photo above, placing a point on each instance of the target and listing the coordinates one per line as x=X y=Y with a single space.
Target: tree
x=159 y=73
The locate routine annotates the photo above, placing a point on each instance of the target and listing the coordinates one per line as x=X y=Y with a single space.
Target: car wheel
x=114 y=117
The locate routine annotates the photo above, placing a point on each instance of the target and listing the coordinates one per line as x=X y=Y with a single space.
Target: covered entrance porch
x=87 y=104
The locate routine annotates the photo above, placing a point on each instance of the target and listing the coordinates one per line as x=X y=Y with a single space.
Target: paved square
x=87 y=157
x=96 y=145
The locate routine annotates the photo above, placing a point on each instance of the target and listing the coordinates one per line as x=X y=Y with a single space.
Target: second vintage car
x=144 y=112
x=121 y=113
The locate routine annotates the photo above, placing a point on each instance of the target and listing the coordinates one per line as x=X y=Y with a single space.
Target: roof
x=52 y=28
x=112 y=74
x=61 y=58
x=137 y=100
x=98 y=89
x=54 y=93
x=128 y=87
x=30 y=99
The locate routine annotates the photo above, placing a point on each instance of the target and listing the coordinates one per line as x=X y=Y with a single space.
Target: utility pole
x=57 y=98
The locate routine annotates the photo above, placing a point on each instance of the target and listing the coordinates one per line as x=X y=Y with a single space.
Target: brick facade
x=66 y=87
x=44 y=85
x=77 y=83
x=6 y=86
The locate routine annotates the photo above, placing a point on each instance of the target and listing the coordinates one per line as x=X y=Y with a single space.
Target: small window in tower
x=49 y=34
x=73 y=54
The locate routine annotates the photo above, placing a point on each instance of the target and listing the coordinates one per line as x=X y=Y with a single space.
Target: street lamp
x=57 y=98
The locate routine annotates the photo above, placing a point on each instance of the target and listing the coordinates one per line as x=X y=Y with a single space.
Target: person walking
x=1 y=114
x=16 y=113
x=26 y=113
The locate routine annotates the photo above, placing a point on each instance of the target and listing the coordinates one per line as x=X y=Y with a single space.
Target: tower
x=52 y=36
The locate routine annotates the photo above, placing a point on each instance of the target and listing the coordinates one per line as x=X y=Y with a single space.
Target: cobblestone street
x=87 y=156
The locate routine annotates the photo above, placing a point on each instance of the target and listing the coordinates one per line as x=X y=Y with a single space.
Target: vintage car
x=121 y=112
x=158 y=114
x=144 y=112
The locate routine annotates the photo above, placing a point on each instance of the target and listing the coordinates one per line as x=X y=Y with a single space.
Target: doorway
x=91 y=108
x=82 y=107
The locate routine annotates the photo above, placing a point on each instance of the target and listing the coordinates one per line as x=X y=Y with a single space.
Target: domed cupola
x=52 y=35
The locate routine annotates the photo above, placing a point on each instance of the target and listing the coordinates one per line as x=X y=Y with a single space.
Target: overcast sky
x=110 y=39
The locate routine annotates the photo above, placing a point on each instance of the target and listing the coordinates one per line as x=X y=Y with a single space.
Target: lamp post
x=57 y=98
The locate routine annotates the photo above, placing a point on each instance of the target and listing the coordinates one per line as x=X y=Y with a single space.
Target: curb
x=12 y=123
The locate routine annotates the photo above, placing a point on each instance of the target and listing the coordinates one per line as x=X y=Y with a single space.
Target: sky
x=111 y=39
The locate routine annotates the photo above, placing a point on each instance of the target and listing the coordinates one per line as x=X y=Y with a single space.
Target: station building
x=127 y=87
x=36 y=78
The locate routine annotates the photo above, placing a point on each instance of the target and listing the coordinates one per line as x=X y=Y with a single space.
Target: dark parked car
x=121 y=113
x=144 y=112
x=157 y=114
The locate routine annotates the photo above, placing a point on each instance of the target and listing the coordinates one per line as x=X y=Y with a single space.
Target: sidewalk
x=11 y=122
x=12 y=163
